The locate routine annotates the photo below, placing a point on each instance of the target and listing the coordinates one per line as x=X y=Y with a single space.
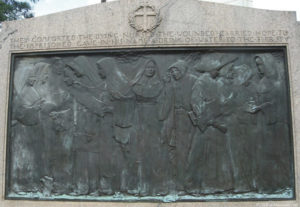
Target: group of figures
x=83 y=127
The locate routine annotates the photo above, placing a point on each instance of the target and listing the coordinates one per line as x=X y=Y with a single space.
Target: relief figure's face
x=58 y=67
x=176 y=73
x=31 y=81
x=68 y=76
x=260 y=66
x=77 y=73
x=150 y=70
x=101 y=71
x=231 y=74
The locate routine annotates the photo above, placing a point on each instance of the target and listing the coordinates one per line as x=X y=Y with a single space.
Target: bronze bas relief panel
x=150 y=125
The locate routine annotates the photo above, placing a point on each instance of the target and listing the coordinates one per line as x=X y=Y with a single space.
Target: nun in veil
x=152 y=151
x=117 y=93
x=96 y=147
x=26 y=131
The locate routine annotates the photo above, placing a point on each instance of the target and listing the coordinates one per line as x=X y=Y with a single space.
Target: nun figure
x=181 y=129
x=117 y=93
x=152 y=150
x=96 y=153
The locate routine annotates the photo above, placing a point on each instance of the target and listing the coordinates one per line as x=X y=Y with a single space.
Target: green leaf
x=13 y=9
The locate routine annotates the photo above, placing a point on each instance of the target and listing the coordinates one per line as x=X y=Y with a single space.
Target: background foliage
x=15 y=9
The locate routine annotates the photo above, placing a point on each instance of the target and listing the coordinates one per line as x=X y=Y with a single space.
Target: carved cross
x=145 y=14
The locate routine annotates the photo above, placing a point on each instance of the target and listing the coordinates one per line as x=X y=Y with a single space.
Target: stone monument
x=248 y=3
x=169 y=102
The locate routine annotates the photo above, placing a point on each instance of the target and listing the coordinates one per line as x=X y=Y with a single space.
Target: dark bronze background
x=150 y=125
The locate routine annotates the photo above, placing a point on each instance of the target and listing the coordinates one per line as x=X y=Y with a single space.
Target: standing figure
x=210 y=163
x=153 y=152
x=272 y=167
x=47 y=96
x=182 y=129
x=94 y=148
x=209 y=160
x=27 y=131
x=242 y=128
x=118 y=94
x=58 y=122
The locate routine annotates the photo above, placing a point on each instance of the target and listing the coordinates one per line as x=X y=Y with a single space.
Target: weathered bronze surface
x=165 y=125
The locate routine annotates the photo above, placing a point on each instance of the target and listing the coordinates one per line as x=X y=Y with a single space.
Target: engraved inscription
x=149 y=39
